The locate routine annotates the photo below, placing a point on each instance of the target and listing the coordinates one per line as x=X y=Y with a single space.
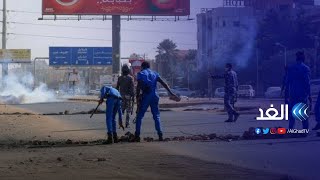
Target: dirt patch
x=18 y=124
x=134 y=161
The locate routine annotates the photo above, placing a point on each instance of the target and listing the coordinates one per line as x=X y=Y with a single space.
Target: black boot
x=236 y=116
x=161 y=137
x=115 y=138
x=137 y=138
x=109 y=140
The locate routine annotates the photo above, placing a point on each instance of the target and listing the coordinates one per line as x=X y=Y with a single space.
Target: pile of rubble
x=129 y=138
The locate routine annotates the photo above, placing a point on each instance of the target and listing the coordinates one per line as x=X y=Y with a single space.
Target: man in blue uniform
x=113 y=104
x=147 y=83
x=230 y=89
x=297 y=87
x=317 y=113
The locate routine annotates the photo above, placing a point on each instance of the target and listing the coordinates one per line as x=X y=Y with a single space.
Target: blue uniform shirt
x=106 y=92
x=148 y=80
x=298 y=81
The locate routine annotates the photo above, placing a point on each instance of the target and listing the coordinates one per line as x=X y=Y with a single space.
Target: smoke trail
x=18 y=89
x=236 y=46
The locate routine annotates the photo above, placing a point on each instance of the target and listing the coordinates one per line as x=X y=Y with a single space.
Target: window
x=224 y=23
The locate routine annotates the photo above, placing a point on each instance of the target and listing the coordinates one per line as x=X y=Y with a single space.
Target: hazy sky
x=183 y=33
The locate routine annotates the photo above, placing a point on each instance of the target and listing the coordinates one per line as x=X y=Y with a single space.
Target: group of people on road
x=296 y=86
x=121 y=99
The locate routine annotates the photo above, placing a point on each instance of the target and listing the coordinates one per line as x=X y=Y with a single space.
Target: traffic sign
x=80 y=56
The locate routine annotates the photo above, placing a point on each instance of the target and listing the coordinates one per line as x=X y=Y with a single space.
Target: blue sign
x=80 y=56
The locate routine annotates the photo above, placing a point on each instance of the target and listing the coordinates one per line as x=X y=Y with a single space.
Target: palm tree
x=166 y=58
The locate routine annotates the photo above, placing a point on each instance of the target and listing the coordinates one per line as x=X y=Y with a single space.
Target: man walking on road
x=147 y=83
x=126 y=87
x=297 y=87
x=230 y=89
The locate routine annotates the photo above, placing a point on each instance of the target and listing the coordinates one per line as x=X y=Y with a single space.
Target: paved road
x=296 y=157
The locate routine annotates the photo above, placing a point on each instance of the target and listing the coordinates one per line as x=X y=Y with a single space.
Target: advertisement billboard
x=80 y=56
x=116 y=7
x=15 y=56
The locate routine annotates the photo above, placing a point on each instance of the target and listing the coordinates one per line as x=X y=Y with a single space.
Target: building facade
x=228 y=34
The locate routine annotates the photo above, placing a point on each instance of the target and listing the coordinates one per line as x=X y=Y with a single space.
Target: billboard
x=80 y=56
x=15 y=56
x=116 y=7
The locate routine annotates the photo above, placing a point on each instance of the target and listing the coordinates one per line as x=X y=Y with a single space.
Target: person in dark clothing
x=317 y=113
x=297 y=87
x=125 y=85
x=230 y=89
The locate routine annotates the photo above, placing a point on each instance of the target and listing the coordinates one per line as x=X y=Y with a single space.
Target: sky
x=26 y=28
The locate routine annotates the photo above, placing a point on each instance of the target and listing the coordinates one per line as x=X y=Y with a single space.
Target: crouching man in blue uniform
x=113 y=104
x=147 y=84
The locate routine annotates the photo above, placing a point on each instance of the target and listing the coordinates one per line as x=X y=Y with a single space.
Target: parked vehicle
x=273 y=92
x=162 y=92
x=184 y=92
x=219 y=92
x=94 y=92
x=246 y=91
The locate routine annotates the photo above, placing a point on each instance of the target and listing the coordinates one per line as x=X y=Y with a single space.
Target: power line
x=82 y=27
x=19 y=11
x=89 y=39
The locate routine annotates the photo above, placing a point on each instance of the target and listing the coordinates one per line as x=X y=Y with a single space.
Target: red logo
x=273 y=131
x=282 y=131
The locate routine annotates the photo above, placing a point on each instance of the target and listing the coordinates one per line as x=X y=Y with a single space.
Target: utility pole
x=4 y=37
x=116 y=38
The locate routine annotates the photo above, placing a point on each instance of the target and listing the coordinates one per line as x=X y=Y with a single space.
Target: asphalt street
x=295 y=157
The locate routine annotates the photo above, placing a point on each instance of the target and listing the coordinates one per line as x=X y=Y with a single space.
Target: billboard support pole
x=5 y=68
x=116 y=38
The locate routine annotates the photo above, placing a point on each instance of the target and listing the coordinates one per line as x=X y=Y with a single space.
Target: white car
x=162 y=92
x=94 y=92
x=246 y=91
x=219 y=92
x=184 y=92
x=273 y=92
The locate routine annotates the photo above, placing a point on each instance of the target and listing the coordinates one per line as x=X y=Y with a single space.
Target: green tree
x=189 y=67
x=166 y=58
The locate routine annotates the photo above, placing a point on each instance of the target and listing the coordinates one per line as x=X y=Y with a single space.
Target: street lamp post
x=285 y=52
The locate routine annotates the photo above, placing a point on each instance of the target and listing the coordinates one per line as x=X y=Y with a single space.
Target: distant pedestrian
x=297 y=87
x=230 y=89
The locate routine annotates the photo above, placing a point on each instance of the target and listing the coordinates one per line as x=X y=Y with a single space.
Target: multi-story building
x=228 y=33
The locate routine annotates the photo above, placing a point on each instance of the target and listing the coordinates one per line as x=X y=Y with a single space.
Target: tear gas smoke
x=238 y=46
x=18 y=89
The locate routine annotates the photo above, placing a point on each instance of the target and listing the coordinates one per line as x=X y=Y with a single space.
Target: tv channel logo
x=299 y=112
x=266 y=131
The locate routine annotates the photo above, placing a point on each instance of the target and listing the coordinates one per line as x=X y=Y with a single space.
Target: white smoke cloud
x=18 y=89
